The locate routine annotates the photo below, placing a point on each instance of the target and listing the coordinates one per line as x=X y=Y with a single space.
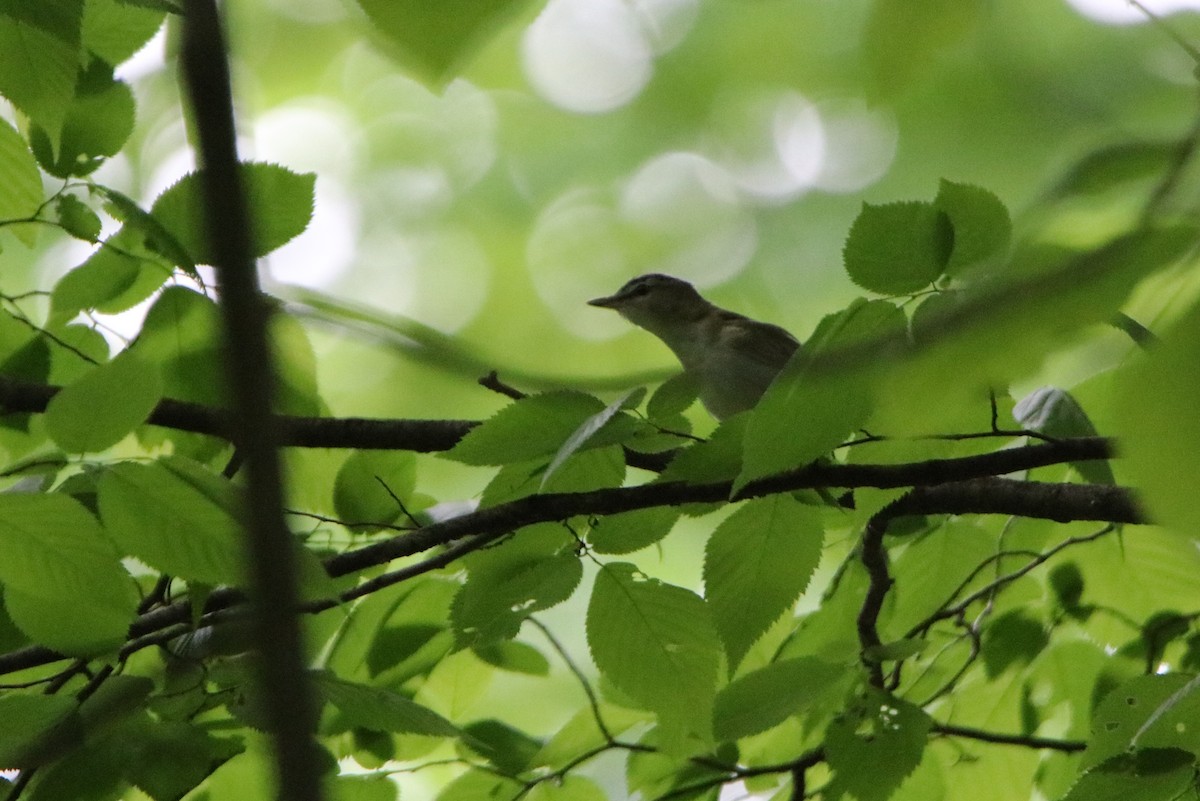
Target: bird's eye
x=639 y=290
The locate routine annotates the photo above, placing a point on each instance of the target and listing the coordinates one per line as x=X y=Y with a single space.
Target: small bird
x=732 y=358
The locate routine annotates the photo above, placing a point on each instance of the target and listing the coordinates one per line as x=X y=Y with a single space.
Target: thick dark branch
x=1059 y=502
x=424 y=436
x=485 y=525
x=290 y=708
x=429 y=436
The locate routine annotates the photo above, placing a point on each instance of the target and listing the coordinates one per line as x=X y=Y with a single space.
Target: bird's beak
x=610 y=302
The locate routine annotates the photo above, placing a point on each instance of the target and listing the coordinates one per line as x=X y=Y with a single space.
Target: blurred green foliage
x=947 y=200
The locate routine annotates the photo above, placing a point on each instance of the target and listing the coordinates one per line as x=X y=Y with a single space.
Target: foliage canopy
x=632 y=600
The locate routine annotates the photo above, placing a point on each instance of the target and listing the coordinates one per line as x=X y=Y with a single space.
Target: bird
x=732 y=358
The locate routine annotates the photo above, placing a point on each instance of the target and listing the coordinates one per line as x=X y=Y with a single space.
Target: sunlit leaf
x=53 y=551
x=766 y=697
x=655 y=642
x=756 y=564
x=898 y=247
x=99 y=409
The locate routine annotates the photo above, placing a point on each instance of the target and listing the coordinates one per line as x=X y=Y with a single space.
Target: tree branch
x=290 y=709
x=483 y=526
x=1025 y=740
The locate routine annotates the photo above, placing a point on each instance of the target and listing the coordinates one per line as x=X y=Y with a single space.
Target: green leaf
x=587 y=470
x=760 y=700
x=182 y=335
x=509 y=749
x=898 y=248
x=37 y=728
x=532 y=427
x=358 y=494
x=77 y=219
x=378 y=709
x=515 y=657
x=590 y=428
x=280 y=201
x=627 y=532
x=478 y=784
x=719 y=458
x=97 y=124
x=1012 y=639
x=1159 y=430
x=115 y=30
x=675 y=396
x=572 y=788
x=982 y=227
x=95 y=284
x=988 y=338
x=929 y=569
x=144 y=232
x=1147 y=712
x=167 y=759
x=20 y=181
x=756 y=565
x=436 y=39
x=1053 y=412
x=1154 y=774
x=656 y=643
x=825 y=393
x=108 y=402
x=39 y=57
x=52 y=553
x=536 y=569
x=875 y=744
x=141 y=503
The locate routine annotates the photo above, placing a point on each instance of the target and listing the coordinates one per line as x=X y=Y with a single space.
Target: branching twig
x=1024 y=740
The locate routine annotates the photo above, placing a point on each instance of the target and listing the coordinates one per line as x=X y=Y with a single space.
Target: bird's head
x=655 y=301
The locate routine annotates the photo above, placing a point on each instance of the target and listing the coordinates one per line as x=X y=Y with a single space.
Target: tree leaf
x=756 y=565
x=77 y=219
x=655 y=642
x=627 y=532
x=358 y=495
x=38 y=728
x=436 y=39
x=816 y=401
x=98 y=122
x=590 y=427
x=98 y=410
x=982 y=227
x=141 y=503
x=1152 y=774
x=52 y=553
x=114 y=30
x=531 y=427
x=378 y=709
x=875 y=744
x=20 y=181
x=898 y=247
x=281 y=203
x=515 y=657
x=1159 y=429
x=39 y=58
x=535 y=569
x=760 y=700
x=1146 y=712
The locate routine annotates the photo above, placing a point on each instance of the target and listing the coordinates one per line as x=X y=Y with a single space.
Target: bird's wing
x=764 y=343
